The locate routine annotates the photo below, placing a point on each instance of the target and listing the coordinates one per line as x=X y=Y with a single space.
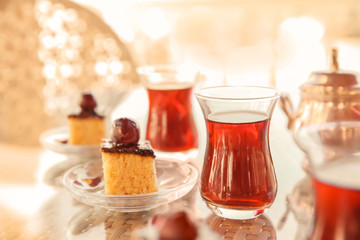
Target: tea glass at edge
x=238 y=179
x=171 y=128
x=333 y=150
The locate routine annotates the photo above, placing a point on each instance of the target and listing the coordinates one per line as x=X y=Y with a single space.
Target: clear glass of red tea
x=238 y=179
x=170 y=125
x=333 y=150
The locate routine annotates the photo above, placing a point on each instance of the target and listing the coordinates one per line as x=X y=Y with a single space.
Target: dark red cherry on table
x=176 y=226
x=125 y=131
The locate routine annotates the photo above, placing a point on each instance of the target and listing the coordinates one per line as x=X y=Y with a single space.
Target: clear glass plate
x=175 y=179
x=56 y=140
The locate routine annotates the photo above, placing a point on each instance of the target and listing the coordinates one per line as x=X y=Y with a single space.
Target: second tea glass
x=333 y=150
x=171 y=128
x=238 y=179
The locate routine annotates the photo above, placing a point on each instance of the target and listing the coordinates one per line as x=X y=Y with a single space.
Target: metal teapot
x=326 y=96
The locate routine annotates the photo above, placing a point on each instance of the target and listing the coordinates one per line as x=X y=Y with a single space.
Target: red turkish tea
x=337 y=205
x=170 y=125
x=238 y=170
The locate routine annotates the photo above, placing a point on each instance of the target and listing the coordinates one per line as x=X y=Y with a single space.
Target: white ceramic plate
x=56 y=140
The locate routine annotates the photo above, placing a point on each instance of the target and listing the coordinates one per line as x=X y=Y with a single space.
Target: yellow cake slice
x=129 y=167
x=87 y=127
x=86 y=130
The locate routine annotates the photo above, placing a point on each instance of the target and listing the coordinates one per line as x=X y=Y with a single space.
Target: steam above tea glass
x=333 y=150
x=171 y=128
x=238 y=179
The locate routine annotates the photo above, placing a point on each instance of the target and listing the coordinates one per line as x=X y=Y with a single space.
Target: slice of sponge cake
x=87 y=127
x=129 y=167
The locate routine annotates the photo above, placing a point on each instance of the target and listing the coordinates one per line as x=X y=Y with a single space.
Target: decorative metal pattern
x=21 y=101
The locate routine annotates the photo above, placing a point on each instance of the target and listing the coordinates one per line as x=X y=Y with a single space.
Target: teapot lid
x=333 y=82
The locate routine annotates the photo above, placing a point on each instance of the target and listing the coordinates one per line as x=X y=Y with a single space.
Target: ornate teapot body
x=326 y=96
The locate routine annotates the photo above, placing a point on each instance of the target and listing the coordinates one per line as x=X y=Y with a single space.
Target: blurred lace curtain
x=51 y=51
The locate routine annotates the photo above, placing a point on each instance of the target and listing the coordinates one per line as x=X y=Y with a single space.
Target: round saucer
x=175 y=179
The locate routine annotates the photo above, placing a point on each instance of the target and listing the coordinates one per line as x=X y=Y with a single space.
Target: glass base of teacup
x=234 y=213
x=183 y=156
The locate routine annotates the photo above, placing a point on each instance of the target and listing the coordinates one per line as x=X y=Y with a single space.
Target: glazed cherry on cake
x=88 y=102
x=125 y=131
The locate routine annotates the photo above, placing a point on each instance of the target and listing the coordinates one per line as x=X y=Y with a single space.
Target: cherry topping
x=87 y=102
x=125 y=131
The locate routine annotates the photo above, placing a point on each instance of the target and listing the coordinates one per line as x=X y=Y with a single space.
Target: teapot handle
x=288 y=109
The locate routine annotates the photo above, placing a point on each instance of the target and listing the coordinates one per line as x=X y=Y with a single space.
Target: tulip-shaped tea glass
x=171 y=128
x=238 y=179
x=333 y=150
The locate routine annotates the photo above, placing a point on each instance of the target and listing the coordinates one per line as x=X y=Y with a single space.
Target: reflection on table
x=257 y=228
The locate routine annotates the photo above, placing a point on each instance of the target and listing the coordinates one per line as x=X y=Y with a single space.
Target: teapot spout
x=287 y=107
